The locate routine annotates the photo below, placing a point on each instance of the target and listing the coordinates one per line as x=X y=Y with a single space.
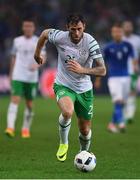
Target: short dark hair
x=28 y=19
x=75 y=19
x=117 y=24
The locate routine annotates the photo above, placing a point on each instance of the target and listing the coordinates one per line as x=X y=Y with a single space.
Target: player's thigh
x=15 y=99
x=30 y=91
x=116 y=89
x=16 y=91
x=84 y=105
x=65 y=99
x=66 y=106
x=126 y=87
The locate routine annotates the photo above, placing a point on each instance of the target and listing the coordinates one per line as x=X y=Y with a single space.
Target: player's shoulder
x=89 y=37
x=19 y=38
x=57 y=32
x=136 y=36
x=126 y=43
x=109 y=45
x=57 y=36
x=35 y=38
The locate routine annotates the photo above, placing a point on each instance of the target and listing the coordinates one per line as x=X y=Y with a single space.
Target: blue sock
x=118 y=113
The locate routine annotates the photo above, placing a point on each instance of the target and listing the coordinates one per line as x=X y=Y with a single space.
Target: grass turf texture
x=117 y=154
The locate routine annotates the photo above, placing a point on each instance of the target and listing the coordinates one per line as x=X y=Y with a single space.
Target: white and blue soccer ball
x=85 y=161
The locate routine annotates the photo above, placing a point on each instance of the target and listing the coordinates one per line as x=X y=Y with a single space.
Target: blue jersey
x=117 y=56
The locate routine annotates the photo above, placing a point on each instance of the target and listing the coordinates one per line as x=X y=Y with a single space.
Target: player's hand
x=39 y=59
x=75 y=67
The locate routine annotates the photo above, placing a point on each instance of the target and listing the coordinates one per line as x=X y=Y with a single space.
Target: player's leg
x=16 y=91
x=66 y=106
x=64 y=100
x=130 y=106
x=30 y=91
x=84 y=111
x=115 y=88
x=85 y=133
x=27 y=119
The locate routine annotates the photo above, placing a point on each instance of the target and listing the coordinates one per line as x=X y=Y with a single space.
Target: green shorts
x=134 y=79
x=83 y=103
x=28 y=90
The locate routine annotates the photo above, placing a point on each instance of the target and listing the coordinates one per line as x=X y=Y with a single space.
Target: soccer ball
x=85 y=161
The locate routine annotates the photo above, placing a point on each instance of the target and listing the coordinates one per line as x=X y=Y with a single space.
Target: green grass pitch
x=118 y=155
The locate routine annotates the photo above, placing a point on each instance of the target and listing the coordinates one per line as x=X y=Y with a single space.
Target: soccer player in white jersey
x=134 y=40
x=24 y=78
x=73 y=88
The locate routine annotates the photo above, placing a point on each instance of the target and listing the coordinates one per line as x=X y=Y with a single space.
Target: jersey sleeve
x=94 y=49
x=53 y=36
x=14 y=48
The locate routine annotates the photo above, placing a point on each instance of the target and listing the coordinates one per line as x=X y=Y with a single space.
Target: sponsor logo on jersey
x=69 y=57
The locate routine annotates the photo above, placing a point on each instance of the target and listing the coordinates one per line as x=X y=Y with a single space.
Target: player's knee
x=67 y=114
x=15 y=100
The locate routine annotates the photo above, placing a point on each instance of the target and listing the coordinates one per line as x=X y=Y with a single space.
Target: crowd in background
x=99 y=14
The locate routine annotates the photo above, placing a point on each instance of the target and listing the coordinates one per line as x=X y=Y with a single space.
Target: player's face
x=117 y=33
x=128 y=28
x=28 y=28
x=76 y=31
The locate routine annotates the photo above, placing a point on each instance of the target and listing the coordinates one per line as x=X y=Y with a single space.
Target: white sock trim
x=87 y=137
x=63 y=122
x=85 y=141
x=64 y=128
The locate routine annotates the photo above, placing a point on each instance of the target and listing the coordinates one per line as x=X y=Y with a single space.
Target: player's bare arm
x=13 y=59
x=99 y=70
x=42 y=40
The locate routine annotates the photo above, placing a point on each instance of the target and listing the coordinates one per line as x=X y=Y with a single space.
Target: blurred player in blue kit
x=117 y=54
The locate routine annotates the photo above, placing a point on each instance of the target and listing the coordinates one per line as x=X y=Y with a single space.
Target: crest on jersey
x=82 y=52
x=125 y=49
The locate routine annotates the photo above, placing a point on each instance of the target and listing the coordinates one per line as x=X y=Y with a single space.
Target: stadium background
x=117 y=155
x=99 y=14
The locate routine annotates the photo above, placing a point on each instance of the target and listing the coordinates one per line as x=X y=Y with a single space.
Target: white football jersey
x=23 y=49
x=134 y=40
x=84 y=53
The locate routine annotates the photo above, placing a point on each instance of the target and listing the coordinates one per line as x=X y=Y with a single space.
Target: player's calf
x=64 y=128
x=117 y=118
x=27 y=122
x=85 y=140
x=11 y=118
x=84 y=134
